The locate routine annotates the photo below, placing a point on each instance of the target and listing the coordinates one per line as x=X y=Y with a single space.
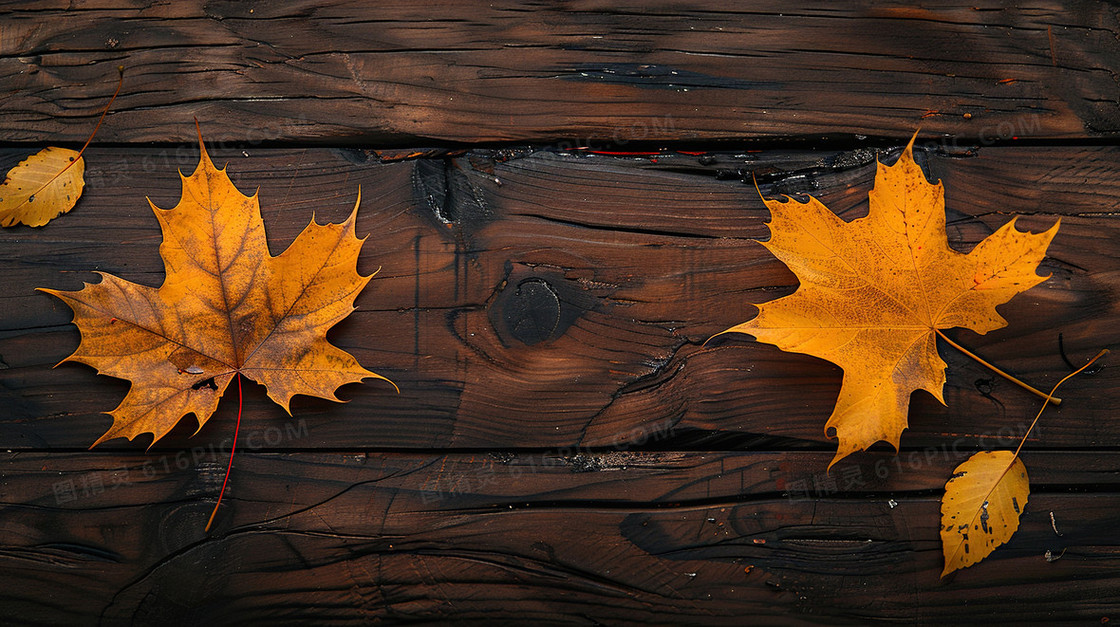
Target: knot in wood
x=532 y=314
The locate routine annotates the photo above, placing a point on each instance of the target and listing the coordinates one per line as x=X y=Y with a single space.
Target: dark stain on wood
x=532 y=312
x=649 y=76
x=449 y=193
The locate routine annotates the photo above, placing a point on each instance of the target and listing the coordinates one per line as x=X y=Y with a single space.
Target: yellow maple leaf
x=876 y=292
x=226 y=307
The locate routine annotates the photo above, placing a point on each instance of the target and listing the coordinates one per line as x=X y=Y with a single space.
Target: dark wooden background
x=559 y=196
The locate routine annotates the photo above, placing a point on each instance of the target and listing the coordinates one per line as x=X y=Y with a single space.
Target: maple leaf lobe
x=874 y=293
x=226 y=307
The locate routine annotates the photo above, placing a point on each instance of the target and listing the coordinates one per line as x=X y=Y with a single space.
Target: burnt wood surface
x=561 y=201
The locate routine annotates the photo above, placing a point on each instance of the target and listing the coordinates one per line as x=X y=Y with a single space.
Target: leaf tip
x=836 y=458
x=155 y=438
x=1053 y=230
x=352 y=219
x=104 y=438
x=389 y=381
x=744 y=328
x=705 y=344
x=910 y=145
x=906 y=158
x=203 y=157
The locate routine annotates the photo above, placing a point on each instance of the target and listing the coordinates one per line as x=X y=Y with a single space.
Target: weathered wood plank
x=590 y=70
x=702 y=538
x=561 y=300
x=559 y=450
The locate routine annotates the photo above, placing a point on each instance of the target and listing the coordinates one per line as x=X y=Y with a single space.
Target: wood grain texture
x=703 y=538
x=542 y=299
x=565 y=449
x=403 y=73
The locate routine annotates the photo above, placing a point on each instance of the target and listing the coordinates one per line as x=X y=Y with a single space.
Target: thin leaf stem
x=1102 y=353
x=1050 y=398
x=120 y=82
x=233 y=448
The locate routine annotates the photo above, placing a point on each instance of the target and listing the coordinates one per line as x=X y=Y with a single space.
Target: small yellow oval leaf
x=42 y=187
x=981 y=507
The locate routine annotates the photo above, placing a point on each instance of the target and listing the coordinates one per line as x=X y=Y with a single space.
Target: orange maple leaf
x=876 y=292
x=226 y=307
